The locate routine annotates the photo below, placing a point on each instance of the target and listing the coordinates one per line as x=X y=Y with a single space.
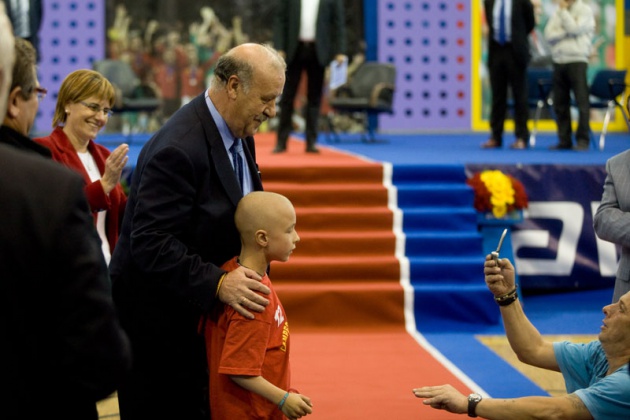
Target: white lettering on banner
x=572 y=216
x=606 y=252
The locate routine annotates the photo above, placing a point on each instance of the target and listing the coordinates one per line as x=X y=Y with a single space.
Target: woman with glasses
x=83 y=108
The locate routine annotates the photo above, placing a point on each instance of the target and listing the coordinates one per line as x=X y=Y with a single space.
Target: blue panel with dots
x=429 y=43
x=72 y=37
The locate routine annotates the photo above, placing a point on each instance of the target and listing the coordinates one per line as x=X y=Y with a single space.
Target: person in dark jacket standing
x=509 y=23
x=62 y=346
x=309 y=34
x=179 y=229
x=26 y=16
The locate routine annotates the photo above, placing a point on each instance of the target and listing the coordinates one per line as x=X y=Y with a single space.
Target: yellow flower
x=501 y=190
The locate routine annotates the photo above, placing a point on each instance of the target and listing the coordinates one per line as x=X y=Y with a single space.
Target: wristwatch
x=473 y=400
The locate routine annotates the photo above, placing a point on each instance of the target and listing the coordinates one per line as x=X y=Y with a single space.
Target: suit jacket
x=35 y=17
x=330 y=33
x=523 y=23
x=15 y=139
x=62 y=346
x=177 y=231
x=63 y=151
x=612 y=218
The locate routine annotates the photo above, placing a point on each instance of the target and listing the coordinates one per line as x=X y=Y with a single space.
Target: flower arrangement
x=497 y=192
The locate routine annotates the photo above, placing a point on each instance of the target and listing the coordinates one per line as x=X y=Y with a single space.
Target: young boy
x=249 y=359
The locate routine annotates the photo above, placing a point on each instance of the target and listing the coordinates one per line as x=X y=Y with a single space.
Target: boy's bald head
x=260 y=210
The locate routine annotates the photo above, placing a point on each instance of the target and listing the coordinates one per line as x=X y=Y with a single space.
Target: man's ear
x=233 y=85
x=15 y=96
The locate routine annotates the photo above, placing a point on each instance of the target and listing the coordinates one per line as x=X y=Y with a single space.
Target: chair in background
x=369 y=91
x=131 y=94
x=605 y=89
x=539 y=86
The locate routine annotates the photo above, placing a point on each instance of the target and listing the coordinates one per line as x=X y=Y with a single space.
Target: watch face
x=474 y=397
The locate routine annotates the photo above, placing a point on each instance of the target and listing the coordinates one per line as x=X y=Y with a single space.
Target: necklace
x=244 y=266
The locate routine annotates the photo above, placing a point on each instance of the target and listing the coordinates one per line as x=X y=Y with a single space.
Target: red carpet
x=341 y=290
x=343 y=273
x=366 y=376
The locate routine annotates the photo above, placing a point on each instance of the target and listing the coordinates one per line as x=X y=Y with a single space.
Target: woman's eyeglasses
x=96 y=109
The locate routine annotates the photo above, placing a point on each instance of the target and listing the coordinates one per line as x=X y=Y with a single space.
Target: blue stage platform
x=564 y=188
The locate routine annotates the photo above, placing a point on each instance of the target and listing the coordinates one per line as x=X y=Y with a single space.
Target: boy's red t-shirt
x=239 y=346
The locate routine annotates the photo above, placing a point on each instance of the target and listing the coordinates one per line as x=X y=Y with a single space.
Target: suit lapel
x=218 y=154
x=250 y=154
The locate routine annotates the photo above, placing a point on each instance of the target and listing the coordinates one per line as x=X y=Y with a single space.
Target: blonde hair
x=78 y=86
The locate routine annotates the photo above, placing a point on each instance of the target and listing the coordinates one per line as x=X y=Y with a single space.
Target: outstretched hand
x=443 y=397
x=500 y=280
x=239 y=289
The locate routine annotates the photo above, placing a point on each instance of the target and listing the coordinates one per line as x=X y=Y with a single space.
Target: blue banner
x=555 y=247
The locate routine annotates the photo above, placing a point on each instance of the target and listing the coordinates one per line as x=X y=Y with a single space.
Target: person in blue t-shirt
x=596 y=373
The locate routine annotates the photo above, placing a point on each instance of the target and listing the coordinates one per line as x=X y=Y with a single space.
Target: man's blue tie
x=502 y=36
x=237 y=160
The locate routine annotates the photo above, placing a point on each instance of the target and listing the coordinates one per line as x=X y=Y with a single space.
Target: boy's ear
x=261 y=237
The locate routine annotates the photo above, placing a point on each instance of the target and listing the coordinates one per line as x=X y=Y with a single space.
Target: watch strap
x=473 y=400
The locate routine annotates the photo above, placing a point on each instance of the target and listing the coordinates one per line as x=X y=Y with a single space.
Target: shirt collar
x=224 y=130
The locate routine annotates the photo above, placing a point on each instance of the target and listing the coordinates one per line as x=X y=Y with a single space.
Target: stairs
x=443 y=246
x=374 y=237
x=344 y=273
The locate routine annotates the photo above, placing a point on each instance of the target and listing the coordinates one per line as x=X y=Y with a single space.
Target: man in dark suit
x=178 y=229
x=309 y=34
x=26 y=18
x=62 y=346
x=509 y=23
x=23 y=101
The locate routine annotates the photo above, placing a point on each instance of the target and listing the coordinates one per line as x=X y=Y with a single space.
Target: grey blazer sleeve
x=612 y=218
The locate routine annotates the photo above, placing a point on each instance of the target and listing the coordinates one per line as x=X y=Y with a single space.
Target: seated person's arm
x=565 y=407
x=446 y=397
x=524 y=338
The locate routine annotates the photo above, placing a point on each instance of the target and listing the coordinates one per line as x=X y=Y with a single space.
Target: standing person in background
x=26 y=17
x=250 y=374
x=510 y=23
x=83 y=108
x=539 y=47
x=179 y=229
x=309 y=34
x=570 y=31
x=63 y=348
x=23 y=101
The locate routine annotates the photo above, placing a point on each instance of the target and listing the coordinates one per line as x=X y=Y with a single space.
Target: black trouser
x=566 y=78
x=305 y=59
x=504 y=72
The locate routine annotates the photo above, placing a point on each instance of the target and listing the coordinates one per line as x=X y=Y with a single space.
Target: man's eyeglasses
x=96 y=109
x=41 y=93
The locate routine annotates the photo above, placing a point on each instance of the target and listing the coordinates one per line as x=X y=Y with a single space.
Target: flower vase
x=491 y=229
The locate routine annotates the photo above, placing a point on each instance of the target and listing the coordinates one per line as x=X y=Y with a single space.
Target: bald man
x=179 y=229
